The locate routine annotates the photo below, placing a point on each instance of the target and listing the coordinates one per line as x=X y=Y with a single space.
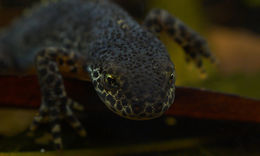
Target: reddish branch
x=190 y=102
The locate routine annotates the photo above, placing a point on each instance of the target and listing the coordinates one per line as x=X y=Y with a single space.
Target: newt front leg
x=55 y=103
x=193 y=44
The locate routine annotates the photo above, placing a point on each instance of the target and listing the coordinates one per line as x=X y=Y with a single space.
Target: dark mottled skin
x=128 y=65
x=131 y=54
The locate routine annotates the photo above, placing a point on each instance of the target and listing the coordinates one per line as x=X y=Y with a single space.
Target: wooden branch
x=190 y=102
x=206 y=104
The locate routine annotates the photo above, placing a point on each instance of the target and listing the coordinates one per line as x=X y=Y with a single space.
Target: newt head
x=135 y=83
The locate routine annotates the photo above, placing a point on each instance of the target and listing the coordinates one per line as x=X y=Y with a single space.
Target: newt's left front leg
x=55 y=103
x=193 y=44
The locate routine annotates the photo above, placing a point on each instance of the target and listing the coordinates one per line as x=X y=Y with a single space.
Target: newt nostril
x=137 y=106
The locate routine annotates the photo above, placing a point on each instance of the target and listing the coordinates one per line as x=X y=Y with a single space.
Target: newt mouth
x=138 y=109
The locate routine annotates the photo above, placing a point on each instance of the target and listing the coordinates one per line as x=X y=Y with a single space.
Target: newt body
x=128 y=65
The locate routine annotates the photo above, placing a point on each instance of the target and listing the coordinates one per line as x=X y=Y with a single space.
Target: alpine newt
x=97 y=40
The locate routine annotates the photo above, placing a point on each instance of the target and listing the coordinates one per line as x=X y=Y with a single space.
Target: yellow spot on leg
x=57 y=141
x=122 y=24
x=75 y=124
x=77 y=106
x=56 y=128
x=120 y=21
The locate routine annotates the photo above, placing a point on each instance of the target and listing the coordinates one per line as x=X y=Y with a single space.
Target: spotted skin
x=193 y=44
x=98 y=41
x=117 y=94
x=55 y=103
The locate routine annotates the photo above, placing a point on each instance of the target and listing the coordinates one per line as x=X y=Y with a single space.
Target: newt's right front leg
x=55 y=103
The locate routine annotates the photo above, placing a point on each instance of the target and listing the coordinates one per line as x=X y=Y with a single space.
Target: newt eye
x=172 y=77
x=111 y=81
